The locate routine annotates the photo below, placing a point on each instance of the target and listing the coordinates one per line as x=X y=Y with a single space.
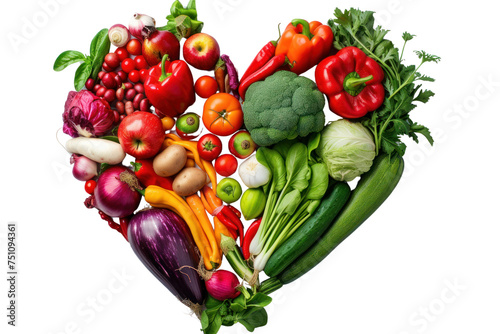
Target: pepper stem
x=164 y=73
x=353 y=84
x=305 y=27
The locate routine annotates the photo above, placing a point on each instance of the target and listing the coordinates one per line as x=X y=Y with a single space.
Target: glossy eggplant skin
x=164 y=244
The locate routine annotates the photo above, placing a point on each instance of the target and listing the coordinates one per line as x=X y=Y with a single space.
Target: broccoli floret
x=283 y=106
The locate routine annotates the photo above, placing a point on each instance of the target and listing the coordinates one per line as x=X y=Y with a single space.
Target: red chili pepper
x=227 y=222
x=236 y=211
x=352 y=81
x=124 y=226
x=226 y=211
x=251 y=232
x=112 y=223
x=264 y=55
x=143 y=169
x=170 y=92
x=268 y=69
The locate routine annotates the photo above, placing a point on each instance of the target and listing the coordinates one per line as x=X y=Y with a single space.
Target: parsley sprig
x=392 y=120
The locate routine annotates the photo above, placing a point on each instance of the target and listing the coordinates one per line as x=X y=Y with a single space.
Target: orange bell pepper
x=305 y=44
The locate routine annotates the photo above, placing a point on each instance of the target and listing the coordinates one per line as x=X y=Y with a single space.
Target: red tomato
x=134 y=47
x=122 y=53
x=128 y=65
x=134 y=76
x=226 y=165
x=90 y=186
x=209 y=147
x=222 y=114
x=140 y=63
x=206 y=86
x=144 y=75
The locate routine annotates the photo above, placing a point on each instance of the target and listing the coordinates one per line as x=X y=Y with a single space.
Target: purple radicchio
x=86 y=115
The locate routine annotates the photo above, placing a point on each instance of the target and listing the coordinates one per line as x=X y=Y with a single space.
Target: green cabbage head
x=347 y=148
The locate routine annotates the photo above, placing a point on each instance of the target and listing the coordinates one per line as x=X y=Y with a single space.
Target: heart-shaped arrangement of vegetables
x=294 y=170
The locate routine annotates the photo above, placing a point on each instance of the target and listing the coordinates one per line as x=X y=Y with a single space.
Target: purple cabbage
x=86 y=115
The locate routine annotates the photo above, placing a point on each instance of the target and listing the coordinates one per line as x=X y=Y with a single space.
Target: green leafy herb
x=67 y=58
x=392 y=120
x=98 y=49
x=247 y=309
x=90 y=65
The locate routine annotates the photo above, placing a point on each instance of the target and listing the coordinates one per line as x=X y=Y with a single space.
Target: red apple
x=158 y=43
x=201 y=51
x=141 y=134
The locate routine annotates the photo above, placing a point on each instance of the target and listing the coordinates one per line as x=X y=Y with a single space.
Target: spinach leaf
x=298 y=172
x=318 y=182
x=273 y=161
x=312 y=144
x=67 y=58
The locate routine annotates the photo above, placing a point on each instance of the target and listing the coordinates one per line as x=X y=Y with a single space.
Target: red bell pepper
x=305 y=44
x=170 y=87
x=352 y=81
x=143 y=169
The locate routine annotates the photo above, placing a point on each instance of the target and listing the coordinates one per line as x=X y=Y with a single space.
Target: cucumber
x=307 y=234
x=371 y=191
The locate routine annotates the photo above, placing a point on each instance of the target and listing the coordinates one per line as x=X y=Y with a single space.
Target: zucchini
x=372 y=190
x=307 y=234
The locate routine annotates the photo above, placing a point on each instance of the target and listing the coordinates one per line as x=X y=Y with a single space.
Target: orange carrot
x=211 y=198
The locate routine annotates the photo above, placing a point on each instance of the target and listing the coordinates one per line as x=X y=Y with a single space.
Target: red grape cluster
x=121 y=80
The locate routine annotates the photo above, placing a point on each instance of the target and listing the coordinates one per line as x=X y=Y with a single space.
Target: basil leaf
x=81 y=75
x=99 y=47
x=67 y=58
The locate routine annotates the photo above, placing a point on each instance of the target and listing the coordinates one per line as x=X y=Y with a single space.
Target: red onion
x=115 y=193
x=222 y=285
x=84 y=168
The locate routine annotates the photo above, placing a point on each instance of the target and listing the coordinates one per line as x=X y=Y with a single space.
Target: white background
x=425 y=262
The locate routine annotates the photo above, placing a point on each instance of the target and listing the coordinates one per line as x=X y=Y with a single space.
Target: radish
x=97 y=149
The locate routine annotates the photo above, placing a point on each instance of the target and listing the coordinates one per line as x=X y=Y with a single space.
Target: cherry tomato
x=144 y=73
x=205 y=86
x=122 y=53
x=209 y=147
x=226 y=165
x=134 y=47
x=168 y=123
x=140 y=63
x=90 y=186
x=222 y=114
x=112 y=60
x=128 y=65
x=134 y=76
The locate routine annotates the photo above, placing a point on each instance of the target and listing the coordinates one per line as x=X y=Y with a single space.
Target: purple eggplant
x=164 y=244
